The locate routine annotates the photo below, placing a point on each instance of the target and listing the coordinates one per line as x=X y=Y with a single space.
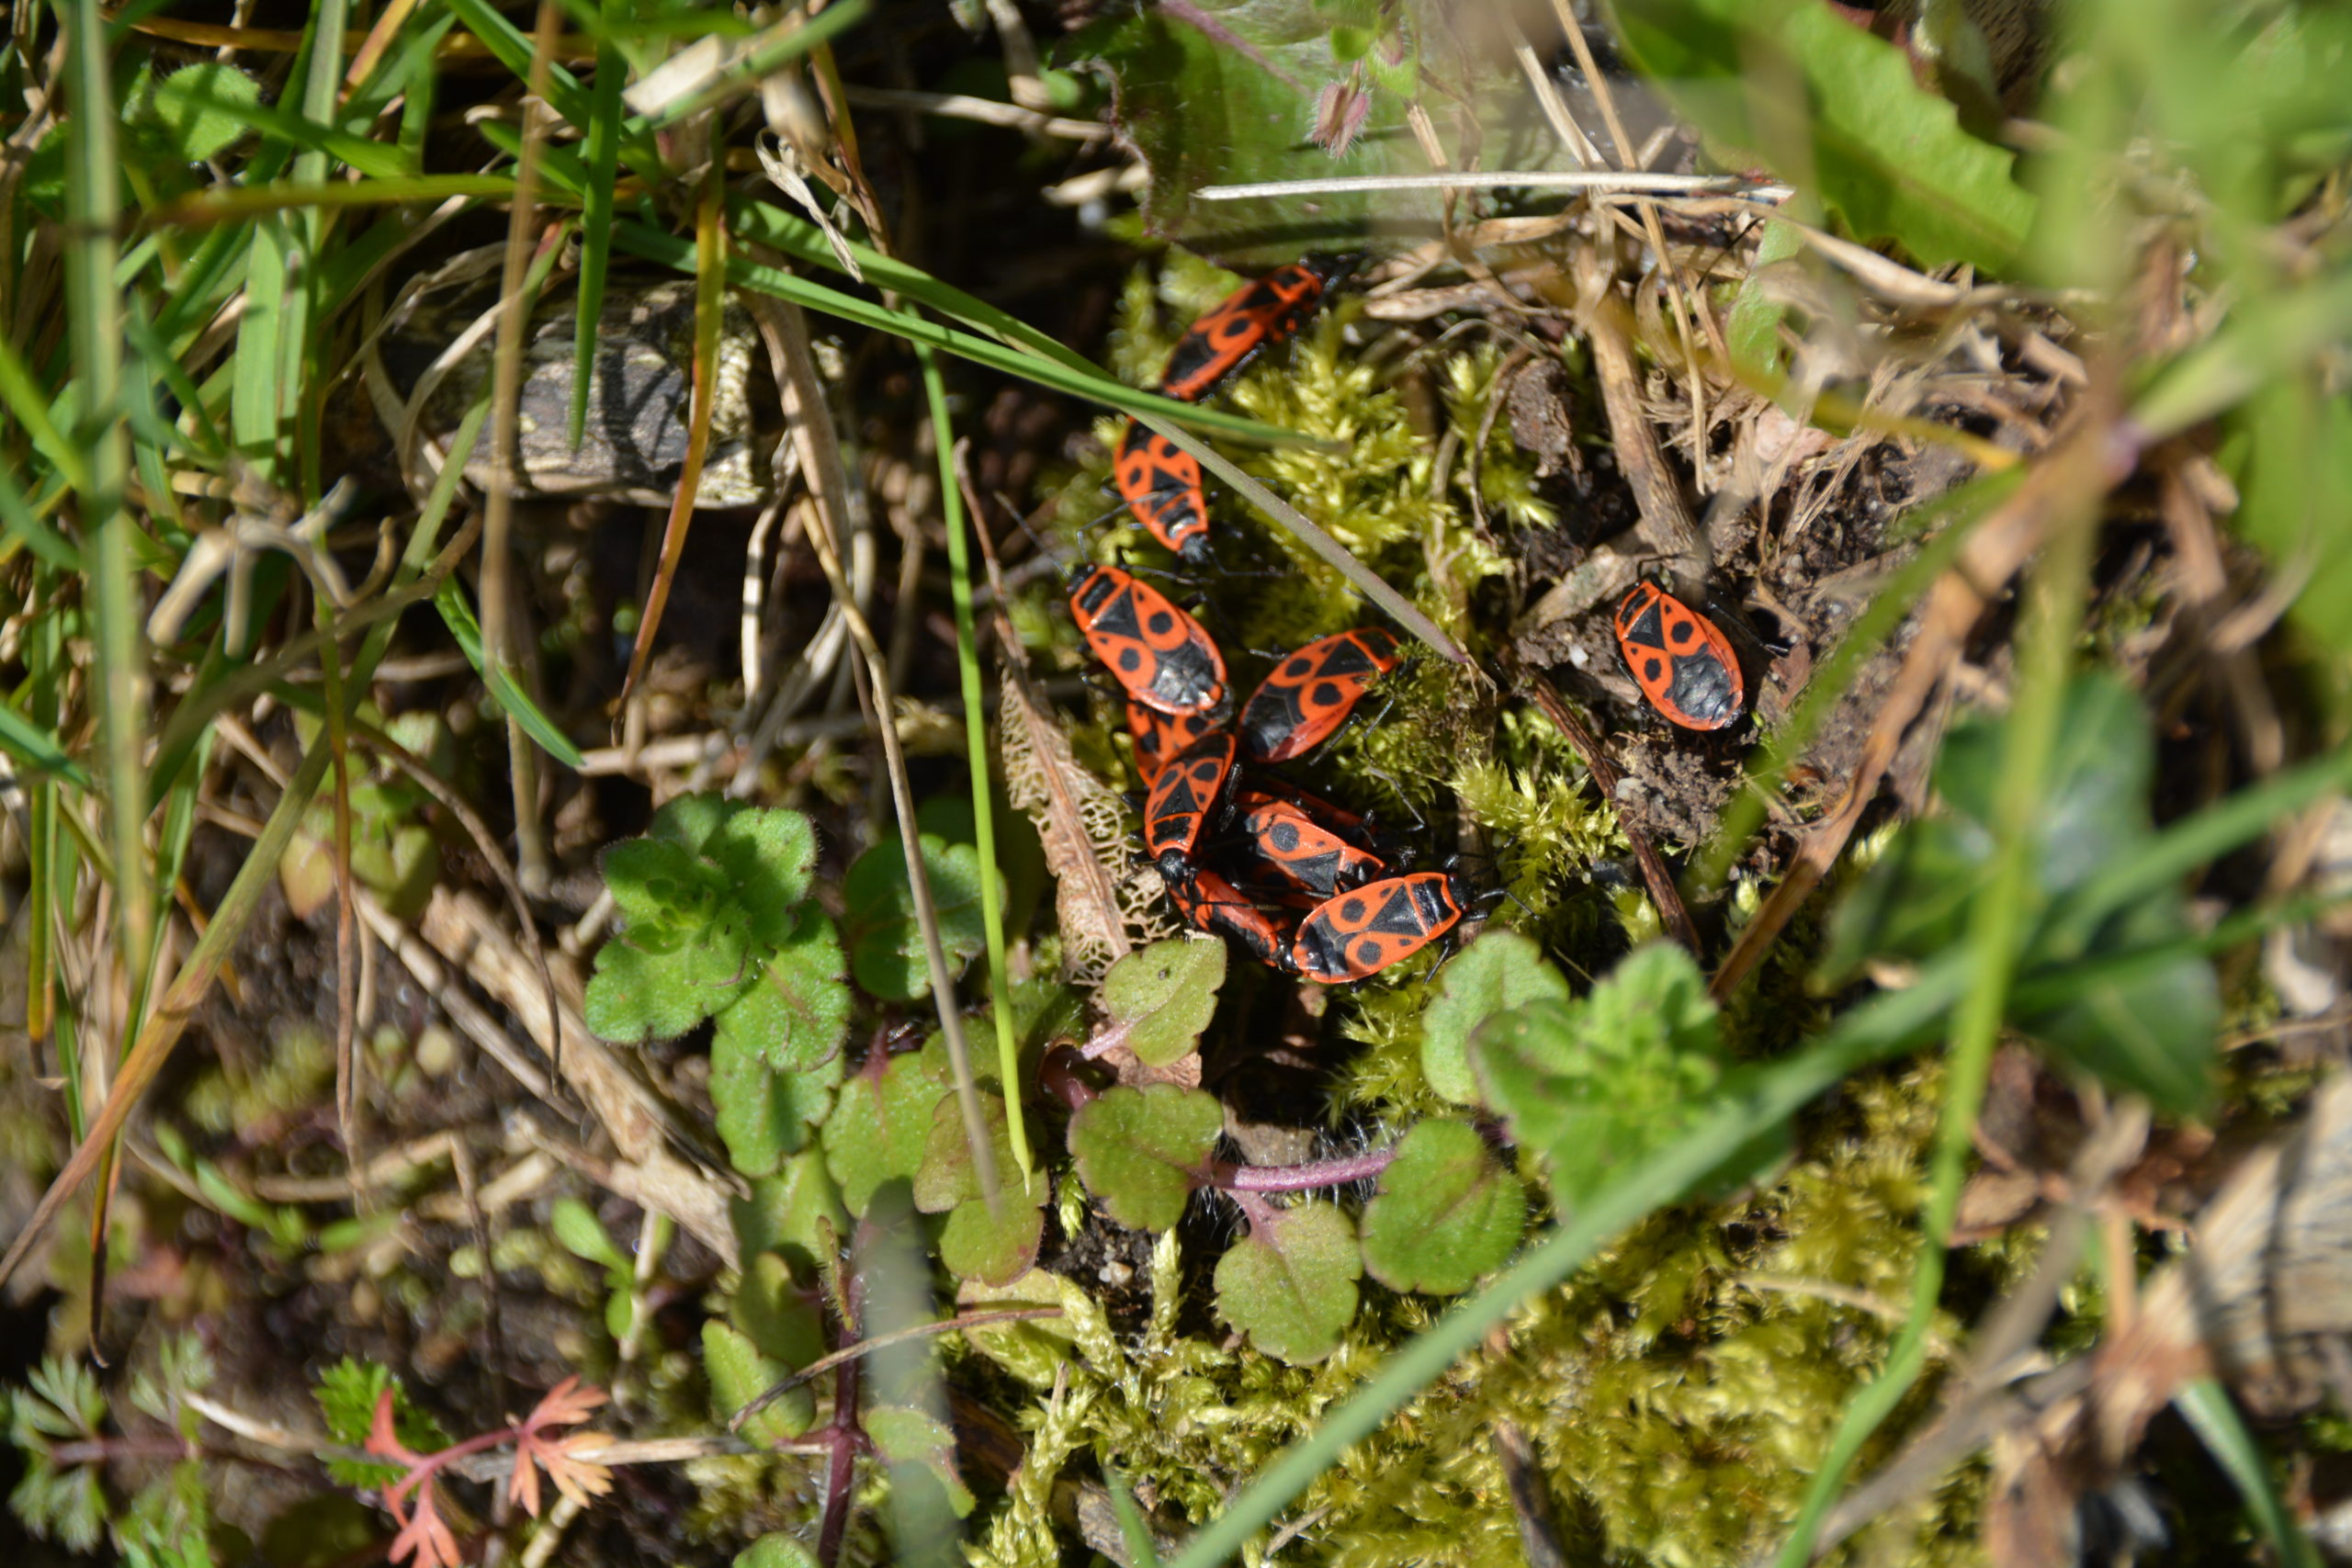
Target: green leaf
x=993 y=1249
x=1886 y=155
x=795 y=1013
x=2145 y=1028
x=2290 y=449
x=880 y=1126
x=949 y=1176
x=1141 y=1151
x=762 y=1114
x=37 y=750
x=791 y=1212
x=1499 y=971
x=885 y=941
x=346 y=1396
x=1290 y=1284
x=909 y=1437
x=1223 y=92
x=739 y=1374
x=765 y=857
x=1165 y=995
x=193 y=114
x=782 y=1317
x=581 y=1234
x=777 y=1550
x=1591 y=1085
x=657 y=986
x=1445 y=1213
x=458 y=616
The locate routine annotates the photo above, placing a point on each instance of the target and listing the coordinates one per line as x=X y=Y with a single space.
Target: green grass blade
x=21 y=529
x=976 y=753
x=23 y=398
x=39 y=749
x=2206 y=1406
x=458 y=616
x=247 y=201
x=94 y=335
x=1999 y=920
x=1884 y=1026
x=1089 y=383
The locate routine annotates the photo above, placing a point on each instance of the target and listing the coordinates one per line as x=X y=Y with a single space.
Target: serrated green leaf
x=887 y=952
x=640 y=994
x=763 y=857
x=878 y=1129
x=1497 y=971
x=1141 y=1151
x=909 y=1437
x=1446 y=1213
x=1885 y=154
x=1591 y=1085
x=662 y=885
x=194 y=114
x=347 y=1393
x=737 y=1374
x=1165 y=995
x=795 y=1014
x=763 y=1115
x=1290 y=1285
x=691 y=820
x=580 y=1233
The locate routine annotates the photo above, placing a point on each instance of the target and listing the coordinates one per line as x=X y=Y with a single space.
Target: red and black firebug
x=1307 y=855
x=1248 y=321
x=1211 y=904
x=1158 y=654
x=1680 y=659
x=1184 y=801
x=1359 y=932
x=1160 y=482
x=1312 y=692
x=1159 y=735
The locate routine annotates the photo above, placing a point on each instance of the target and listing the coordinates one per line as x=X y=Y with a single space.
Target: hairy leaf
x=762 y=1114
x=885 y=943
x=909 y=1437
x=879 y=1127
x=737 y=1374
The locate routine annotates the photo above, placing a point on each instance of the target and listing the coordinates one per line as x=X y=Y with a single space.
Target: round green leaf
x=1290 y=1285
x=764 y=1115
x=994 y=1249
x=1499 y=971
x=879 y=1127
x=1446 y=1213
x=1143 y=1150
x=1165 y=995
x=739 y=1374
x=794 y=1013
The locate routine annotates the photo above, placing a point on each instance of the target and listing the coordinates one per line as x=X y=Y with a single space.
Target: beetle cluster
x=1304 y=885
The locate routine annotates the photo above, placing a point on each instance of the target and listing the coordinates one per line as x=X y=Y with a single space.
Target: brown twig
x=1672 y=911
